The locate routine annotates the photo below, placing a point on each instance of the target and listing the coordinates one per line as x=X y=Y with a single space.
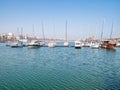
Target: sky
x=84 y=18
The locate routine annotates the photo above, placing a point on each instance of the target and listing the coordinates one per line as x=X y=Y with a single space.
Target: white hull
x=78 y=44
x=95 y=46
x=118 y=45
x=16 y=44
x=34 y=44
x=66 y=44
x=51 y=45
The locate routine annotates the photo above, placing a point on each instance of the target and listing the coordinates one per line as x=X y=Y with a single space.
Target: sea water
x=59 y=68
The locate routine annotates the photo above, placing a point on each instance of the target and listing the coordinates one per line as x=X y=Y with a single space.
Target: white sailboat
x=66 y=44
x=94 y=44
x=52 y=43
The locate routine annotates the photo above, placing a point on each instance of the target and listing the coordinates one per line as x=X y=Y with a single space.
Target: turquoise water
x=59 y=68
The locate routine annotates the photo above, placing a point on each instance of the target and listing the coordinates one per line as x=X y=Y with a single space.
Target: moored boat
x=16 y=44
x=78 y=44
x=34 y=44
x=51 y=44
x=108 y=45
x=118 y=44
x=66 y=44
x=94 y=45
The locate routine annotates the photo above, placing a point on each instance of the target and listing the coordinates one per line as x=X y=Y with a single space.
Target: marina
x=59 y=45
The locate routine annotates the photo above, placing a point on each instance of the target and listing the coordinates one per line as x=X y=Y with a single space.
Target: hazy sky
x=84 y=17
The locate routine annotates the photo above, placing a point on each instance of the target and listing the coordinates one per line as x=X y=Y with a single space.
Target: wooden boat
x=108 y=45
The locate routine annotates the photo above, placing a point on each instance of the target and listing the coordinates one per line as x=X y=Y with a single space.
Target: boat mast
x=66 y=30
x=102 y=30
x=53 y=32
x=17 y=31
x=21 y=32
x=33 y=31
x=43 y=31
x=111 y=31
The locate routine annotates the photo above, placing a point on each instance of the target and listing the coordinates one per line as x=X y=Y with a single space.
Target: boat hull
x=66 y=44
x=95 y=47
x=110 y=46
x=33 y=46
x=16 y=46
x=77 y=47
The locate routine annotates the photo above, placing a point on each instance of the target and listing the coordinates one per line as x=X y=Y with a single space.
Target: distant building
x=91 y=39
x=10 y=36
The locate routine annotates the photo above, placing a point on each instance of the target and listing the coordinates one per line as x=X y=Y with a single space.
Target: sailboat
x=43 y=42
x=34 y=43
x=17 y=43
x=52 y=43
x=66 y=44
x=109 y=44
x=94 y=43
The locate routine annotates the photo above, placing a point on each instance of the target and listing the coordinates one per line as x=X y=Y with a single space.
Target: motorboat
x=94 y=45
x=78 y=44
